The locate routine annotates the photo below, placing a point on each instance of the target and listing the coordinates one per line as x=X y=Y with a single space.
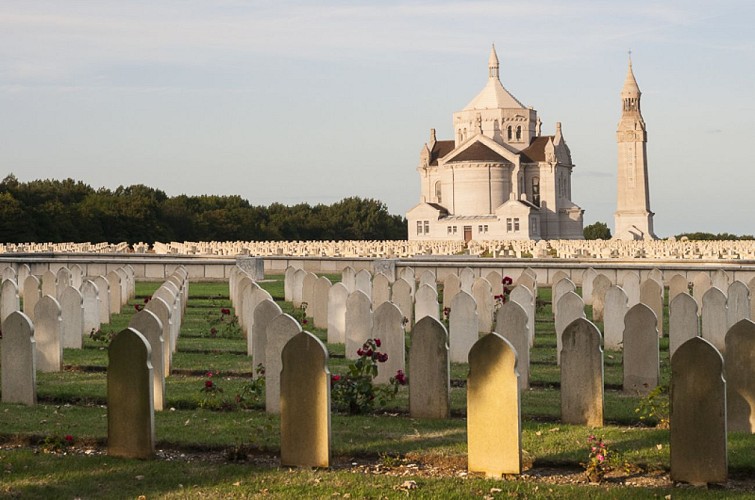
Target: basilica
x=499 y=178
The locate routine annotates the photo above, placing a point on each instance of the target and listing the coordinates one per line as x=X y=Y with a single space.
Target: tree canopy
x=62 y=211
x=597 y=231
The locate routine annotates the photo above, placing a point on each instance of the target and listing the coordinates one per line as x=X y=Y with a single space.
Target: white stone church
x=499 y=178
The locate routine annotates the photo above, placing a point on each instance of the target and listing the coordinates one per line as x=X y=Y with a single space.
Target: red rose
x=69 y=438
x=377 y=342
x=208 y=384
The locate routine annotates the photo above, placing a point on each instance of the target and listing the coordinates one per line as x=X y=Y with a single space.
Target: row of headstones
x=699 y=394
x=35 y=345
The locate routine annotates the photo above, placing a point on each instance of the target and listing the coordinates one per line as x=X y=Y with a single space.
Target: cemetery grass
x=196 y=442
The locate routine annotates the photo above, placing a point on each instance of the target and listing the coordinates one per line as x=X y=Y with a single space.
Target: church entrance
x=467 y=234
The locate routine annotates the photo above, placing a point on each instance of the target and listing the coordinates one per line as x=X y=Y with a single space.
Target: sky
x=280 y=101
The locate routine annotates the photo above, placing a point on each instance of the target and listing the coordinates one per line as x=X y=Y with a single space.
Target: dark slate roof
x=439 y=207
x=535 y=152
x=440 y=149
x=478 y=152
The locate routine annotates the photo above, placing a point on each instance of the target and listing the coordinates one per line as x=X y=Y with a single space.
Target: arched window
x=519 y=133
x=438 y=197
x=536 y=191
x=508 y=132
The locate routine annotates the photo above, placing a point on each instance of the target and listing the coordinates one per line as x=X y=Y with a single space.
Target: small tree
x=597 y=231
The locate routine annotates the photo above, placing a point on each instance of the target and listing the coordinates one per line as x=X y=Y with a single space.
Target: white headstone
x=18 y=374
x=616 y=307
x=358 y=322
x=463 y=326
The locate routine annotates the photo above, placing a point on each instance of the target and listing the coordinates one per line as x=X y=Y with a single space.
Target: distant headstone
x=47 y=333
x=737 y=303
x=700 y=284
x=425 y=303
x=91 y=301
x=570 y=307
x=587 y=281
x=18 y=374
x=49 y=284
x=651 y=294
x=348 y=278
x=130 y=410
x=320 y=302
x=114 y=281
x=698 y=414
x=616 y=307
x=288 y=284
x=9 y=300
x=482 y=292
x=496 y=282
x=451 y=286
x=265 y=312
x=561 y=288
x=466 y=278
x=163 y=313
x=386 y=326
x=305 y=403
x=63 y=280
x=600 y=285
x=720 y=280
x=72 y=316
x=740 y=377
x=430 y=382
x=494 y=424
x=104 y=290
x=582 y=375
x=381 y=290
x=513 y=325
x=631 y=286
x=428 y=278
x=148 y=324
x=462 y=325
x=308 y=293
x=31 y=295
x=337 y=296
x=641 y=351
x=298 y=287
x=714 y=318
x=683 y=321
x=280 y=330
x=403 y=298
x=363 y=282
x=678 y=284
x=358 y=322
x=558 y=276
x=523 y=296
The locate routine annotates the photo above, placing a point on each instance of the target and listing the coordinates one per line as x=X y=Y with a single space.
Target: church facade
x=498 y=178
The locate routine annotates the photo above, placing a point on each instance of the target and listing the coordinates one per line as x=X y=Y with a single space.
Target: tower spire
x=493 y=64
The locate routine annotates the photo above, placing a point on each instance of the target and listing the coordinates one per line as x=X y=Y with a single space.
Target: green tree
x=597 y=231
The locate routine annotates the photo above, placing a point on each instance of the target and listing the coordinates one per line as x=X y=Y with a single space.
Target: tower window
x=536 y=191
x=519 y=133
x=508 y=132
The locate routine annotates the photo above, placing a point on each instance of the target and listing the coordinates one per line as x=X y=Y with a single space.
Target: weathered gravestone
x=570 y=307
x=656 y=275
x=451 y=286
x=698 y=414
x=18 y=374
x=358 y=322
x=561 y=288
x=130 y=410
x=148 y=324
x=305 y=403
x=62 y=281
x=337 y=296
x=31 y=295
x=462 y=326
x=116 y=300
x=751 y=286
x=349 y=278
x=720 y=279
x=47 y=333
x=557 y=277
x=308 y=293
x=600 y=286
x=482 y=292
x=740 y=377
x=641 y=351
x=582 y=375
x=72 y=317
x=77 y=276
x=651 y=294
x=91 y=302
x=381 y=290
x=683 y=321
x=429 y=365
x=428 y=278
x=363 y=282
x=425 y=303
x=737 y=303
x=264 y=313
x=524 y=297
x=298 y=287
x=280 y=330
x=616 y=307
x=407 y=274
x=513 y=325
x=496 y=282
x=494 y=424
x=386 y=326
x=404 y=300
x=288 y=284
x=700 y=284
x=9 y=300
x=714 y=318
x=49 y=283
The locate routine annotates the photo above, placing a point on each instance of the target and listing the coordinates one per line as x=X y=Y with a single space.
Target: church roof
x=631 y=89
x=478 y=152
x=440 y=149
x=494 y=96
x=535 y=152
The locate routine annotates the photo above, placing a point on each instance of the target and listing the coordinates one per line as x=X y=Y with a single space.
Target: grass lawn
x=233 y=452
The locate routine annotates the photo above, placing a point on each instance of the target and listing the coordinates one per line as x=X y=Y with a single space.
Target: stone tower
x=633 y=218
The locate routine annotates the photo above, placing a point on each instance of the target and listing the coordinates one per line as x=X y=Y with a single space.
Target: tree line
x=72 y=211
